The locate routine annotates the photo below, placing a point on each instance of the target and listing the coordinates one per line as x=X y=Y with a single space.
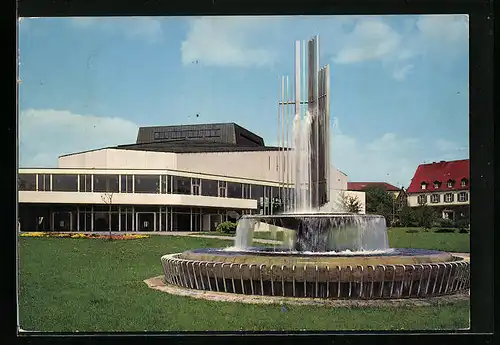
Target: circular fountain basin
x=397 y=273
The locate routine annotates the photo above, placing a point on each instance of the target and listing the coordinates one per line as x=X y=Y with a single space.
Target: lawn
x=97 y=285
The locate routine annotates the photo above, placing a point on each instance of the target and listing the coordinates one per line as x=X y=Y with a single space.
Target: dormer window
x=450 y=183
x=423 y=185
x=437 y=184
x=463 y=183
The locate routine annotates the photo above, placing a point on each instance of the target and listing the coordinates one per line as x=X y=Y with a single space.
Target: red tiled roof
x=441 y=172
x=360 y=186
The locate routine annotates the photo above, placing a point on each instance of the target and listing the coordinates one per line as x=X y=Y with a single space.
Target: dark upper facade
x=226 y=133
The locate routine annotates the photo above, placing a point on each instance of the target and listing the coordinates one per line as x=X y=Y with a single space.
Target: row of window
x=153 y=184
x=181 y=134
x=448 y=197
x=449 y=184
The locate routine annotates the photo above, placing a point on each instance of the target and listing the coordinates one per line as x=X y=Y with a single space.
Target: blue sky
x=399 y=83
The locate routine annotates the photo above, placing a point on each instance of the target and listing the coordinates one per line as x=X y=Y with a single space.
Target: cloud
x=45 y=134
x=147 y=28
x=390 y=158
x=401 y=73
x=226 y=41
x=371 y=39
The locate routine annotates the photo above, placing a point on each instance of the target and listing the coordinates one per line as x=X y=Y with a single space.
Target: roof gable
x=360 y=186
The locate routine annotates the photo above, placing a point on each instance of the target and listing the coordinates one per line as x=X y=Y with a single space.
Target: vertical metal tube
x=280 y=107
x=316 y=111
x=285 y=145
x=328 y=130
x=282 y=144
x=289 y=148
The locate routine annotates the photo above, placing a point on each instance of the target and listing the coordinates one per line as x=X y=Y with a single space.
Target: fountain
x=325 y=252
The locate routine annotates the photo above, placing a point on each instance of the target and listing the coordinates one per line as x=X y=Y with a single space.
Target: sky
x=399 y=84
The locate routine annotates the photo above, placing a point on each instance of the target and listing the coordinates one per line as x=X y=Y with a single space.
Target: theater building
x=174 y=178
x=443 y=185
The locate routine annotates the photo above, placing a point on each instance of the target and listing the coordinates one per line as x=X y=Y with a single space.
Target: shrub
x=226 y=227
x=462 y=224
x=463 y=231
x=411 y=231
x=444 y=223
x=445 y=230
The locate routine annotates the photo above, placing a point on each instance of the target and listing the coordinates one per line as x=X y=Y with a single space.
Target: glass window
x=435 y=198
x=463 y=196
x=450 y=183
x=422 y=199
x=44 y=182
x=181 y=185
x=166 y=181
x=448 y=197
x=209 y=187
x=222 y=189
x=195 y=186
x=85 y=183
x=463 y=183
x=234 y=190
x=106 y=183
x=126 y=183
x=147 y=183
x=246 y=191
x=423 y=186
x=27 y=182
x=64 y=183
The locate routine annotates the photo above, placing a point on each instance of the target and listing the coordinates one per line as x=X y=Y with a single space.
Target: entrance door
x=146 y=221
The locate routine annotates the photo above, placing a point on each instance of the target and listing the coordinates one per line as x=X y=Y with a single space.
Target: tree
x=425 y=216
x=406 y=216
x=107 y=198
x=379 y=201
x=349 y=203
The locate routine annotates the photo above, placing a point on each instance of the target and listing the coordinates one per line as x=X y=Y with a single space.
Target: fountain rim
x=311 y=215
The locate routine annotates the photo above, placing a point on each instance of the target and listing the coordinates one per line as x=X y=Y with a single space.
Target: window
x=463 y=196
x=247 y=191
x=147 y=184
x=27 y=182
x=448 y=197
x=463 y=183
x=234 y=190
x=64 y=183
x=422 y=199
x=106 y=183
x=85 y=183
x=222 y=186
x=423 y=186
x=181 y=185
x=166 y=184
x=437 y=184
x=450 y=183
x=126 y=181
x=195 y=186
x=257 y=193
x=209 y=187
x=44 y=182
x=435 y=198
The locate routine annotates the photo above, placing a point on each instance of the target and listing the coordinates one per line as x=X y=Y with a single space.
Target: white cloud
x=371 y=39
x=132 y=27
x=389 y=158
x=45 y=134
x=226 y=41
x=401 y=73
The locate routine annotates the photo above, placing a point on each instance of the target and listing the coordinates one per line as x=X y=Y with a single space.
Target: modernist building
x=174 y=178
x=443 y=185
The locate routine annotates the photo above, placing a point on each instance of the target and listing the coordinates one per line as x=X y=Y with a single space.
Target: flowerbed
x=82 y=235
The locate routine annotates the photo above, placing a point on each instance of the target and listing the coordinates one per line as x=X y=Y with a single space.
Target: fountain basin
x=400 y=274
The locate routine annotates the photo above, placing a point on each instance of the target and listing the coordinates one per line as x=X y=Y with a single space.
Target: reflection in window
x=27 y=182
x=147 y=183
x=234 y=190
x=64 y=183
x=209 y=187
x=181 y=185
x=106 y=183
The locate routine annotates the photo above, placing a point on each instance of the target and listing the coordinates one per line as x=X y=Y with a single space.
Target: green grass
x=97 y=285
